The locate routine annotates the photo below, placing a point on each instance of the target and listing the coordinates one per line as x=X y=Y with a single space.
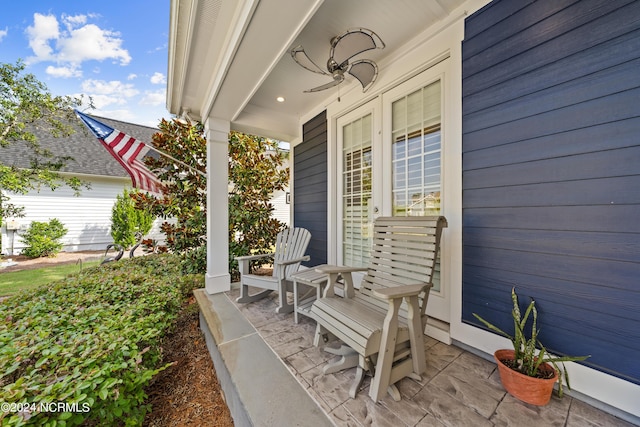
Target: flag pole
x=99 y=132
x=162 y=153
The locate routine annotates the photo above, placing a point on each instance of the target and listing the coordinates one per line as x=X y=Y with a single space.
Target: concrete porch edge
x=258 y=388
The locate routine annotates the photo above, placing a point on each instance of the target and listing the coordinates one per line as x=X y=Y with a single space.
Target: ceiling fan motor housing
x=344 y=47
x=333 y=66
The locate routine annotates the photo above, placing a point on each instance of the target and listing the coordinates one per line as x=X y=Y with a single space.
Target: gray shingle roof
x=89 y=155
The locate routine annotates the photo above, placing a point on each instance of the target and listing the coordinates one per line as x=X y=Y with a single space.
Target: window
x=356 y=194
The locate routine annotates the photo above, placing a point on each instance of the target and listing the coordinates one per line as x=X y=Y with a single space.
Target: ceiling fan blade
x=300 y=56
x=365 y=71
x=353 y=42
x=337 y=80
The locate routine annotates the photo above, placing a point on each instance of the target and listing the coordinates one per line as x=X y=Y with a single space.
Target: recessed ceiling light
x=280 y=99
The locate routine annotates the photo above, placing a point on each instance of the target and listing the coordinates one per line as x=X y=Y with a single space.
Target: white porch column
x=217 y=277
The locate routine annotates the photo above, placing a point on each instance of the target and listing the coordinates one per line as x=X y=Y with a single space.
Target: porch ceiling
x=229 y=59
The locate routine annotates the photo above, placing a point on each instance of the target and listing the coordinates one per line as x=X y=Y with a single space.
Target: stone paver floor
x=459 y=388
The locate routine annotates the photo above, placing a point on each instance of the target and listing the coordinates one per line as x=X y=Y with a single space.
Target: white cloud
x=113 y=87
x=105 y=93
x=101 y=101
x=158 y=79
x=74 y=21
x=159 y=48
x=132 y=76
x=154 y=98
x=91 y=42
x=121 y=114
x=45 y=28
x=65 y=72
x=3 y=33
x=79 y=42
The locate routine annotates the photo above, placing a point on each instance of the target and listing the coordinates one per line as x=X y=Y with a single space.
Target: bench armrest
x=253 y=257
x=293 y=261
x=400 y=291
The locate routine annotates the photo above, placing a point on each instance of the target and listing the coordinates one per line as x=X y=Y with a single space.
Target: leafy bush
x=127 y=220
x=91 y=340
x=195 y=261
x=43 y=238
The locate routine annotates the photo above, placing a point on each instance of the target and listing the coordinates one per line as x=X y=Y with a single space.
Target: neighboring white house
x=87 y=216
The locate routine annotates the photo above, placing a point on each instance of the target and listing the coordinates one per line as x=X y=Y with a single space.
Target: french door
x=357 y=140
x=390 y=163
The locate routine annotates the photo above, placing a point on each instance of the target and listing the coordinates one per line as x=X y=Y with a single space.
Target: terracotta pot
x=536 y=391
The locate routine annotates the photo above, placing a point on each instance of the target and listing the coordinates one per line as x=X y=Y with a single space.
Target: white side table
x=310 y=278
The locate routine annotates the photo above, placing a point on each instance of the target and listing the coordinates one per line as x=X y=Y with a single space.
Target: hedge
x=83 y=349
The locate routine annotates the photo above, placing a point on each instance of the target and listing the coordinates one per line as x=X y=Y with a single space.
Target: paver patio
x=458 y=389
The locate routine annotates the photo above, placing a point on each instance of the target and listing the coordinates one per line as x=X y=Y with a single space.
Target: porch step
x=259 y=389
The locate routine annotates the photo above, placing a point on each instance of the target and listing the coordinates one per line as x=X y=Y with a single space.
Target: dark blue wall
x=551 y=172
x=310 y=186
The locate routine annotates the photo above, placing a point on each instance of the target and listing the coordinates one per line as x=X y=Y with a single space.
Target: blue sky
x=114 y=51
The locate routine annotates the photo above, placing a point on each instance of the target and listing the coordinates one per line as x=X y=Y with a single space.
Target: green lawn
x=12 y=282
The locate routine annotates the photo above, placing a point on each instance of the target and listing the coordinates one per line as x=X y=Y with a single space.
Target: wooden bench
x=383 y=321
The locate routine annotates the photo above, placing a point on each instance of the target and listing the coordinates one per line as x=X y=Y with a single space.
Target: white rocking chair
x=291 y=245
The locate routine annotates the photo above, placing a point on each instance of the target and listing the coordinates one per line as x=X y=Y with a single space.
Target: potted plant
x=528 y=372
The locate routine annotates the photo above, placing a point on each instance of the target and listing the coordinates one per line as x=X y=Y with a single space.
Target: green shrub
x=127 y=220
x=43 y=238
x=195 y=261
x=91 y=340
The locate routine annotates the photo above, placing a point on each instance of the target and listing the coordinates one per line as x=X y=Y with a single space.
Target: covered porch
x=271 y=374
x=524 y=118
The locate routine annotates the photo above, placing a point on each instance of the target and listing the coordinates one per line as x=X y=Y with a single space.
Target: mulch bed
x=187 y=393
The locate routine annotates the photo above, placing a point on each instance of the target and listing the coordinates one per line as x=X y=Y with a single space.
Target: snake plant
x=529 y=351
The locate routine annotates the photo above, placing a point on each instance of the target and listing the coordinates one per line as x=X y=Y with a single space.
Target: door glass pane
x=416 y=156
x=356 y=192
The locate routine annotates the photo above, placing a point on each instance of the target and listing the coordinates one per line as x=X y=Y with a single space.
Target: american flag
x=128 y=151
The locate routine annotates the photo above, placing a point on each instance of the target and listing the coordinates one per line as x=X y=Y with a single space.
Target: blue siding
x=551 y=172
x=310 y=186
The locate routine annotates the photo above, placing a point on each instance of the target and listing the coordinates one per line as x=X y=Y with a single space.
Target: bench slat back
x=404 y=252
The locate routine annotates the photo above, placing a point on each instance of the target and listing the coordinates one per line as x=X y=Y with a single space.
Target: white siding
x=87 y=217
x=281 y=209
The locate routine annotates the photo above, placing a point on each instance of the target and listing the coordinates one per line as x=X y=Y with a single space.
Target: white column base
x=215 y=284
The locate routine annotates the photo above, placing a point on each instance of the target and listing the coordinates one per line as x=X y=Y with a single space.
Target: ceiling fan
x=344 y=47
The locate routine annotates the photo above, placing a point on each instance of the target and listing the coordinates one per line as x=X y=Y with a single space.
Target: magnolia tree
x=185 y=192
x=26 y=105
x=255 y=172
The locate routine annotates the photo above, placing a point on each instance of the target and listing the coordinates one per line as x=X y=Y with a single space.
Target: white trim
x=239 y=23
x=285 y=48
